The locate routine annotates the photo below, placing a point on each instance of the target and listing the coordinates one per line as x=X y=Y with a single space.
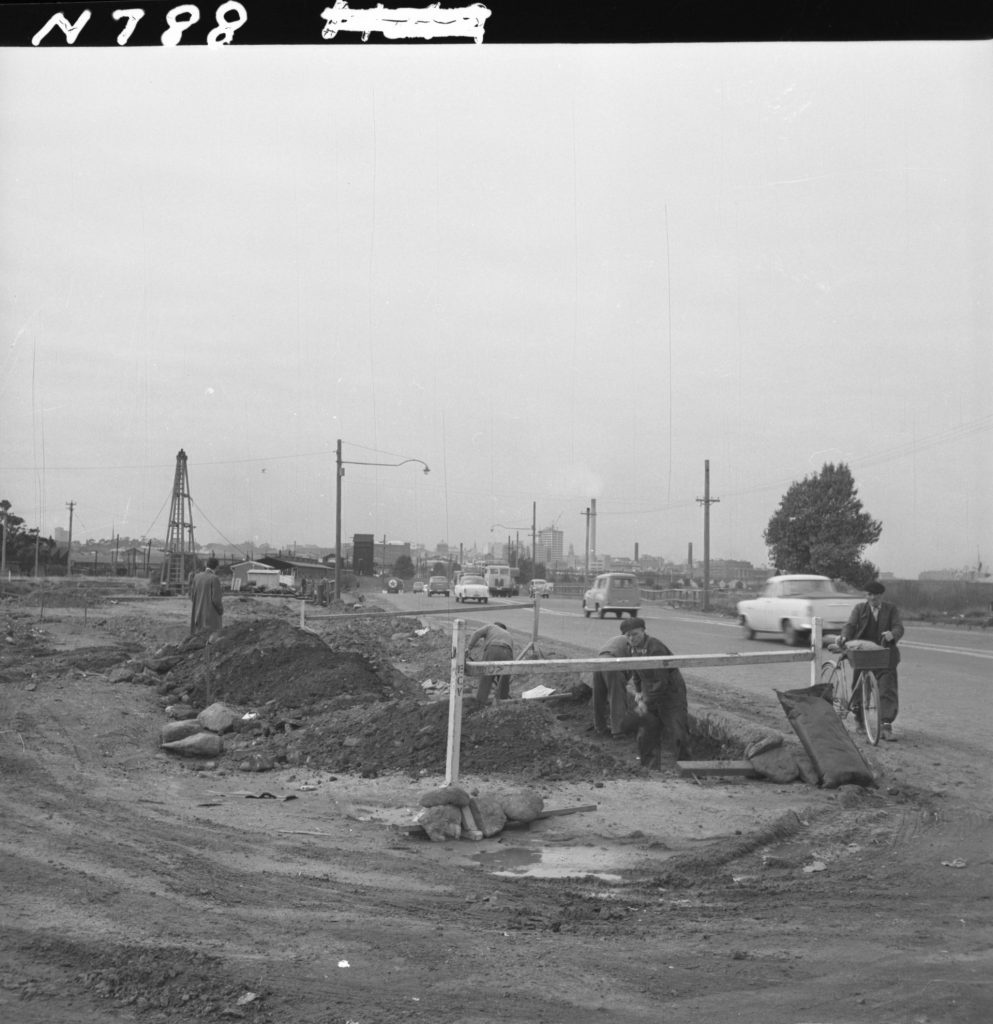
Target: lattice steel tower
x=180 y=549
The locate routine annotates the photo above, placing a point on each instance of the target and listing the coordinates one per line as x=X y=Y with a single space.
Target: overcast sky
x=552 y=273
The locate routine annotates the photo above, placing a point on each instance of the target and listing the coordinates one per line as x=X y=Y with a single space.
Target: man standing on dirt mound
x=879 y=621
x=205 y=593
x=661 y=693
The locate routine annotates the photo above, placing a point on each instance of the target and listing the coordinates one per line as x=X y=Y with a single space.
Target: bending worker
x=498 y=645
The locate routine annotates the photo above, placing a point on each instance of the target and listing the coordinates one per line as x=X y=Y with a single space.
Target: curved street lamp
x=341 y=463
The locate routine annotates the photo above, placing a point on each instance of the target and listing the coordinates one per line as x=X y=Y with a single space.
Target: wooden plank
x=558 y=812
x=717 y=768
x=552 y=666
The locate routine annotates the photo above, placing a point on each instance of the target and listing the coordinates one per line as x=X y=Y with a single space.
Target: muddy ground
x=136 y=885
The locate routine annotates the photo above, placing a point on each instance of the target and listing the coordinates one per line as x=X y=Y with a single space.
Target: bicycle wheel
x=841 y=694
x=870 y=706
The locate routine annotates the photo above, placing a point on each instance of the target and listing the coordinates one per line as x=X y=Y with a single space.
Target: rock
x=851 y=796
x=760 y=746
x=257 y=762
x=453 y=795
x=524 y=805
x=807 y=770
x=777 y=764
x=200 y=744
x=173 y=731
x=218 y=717
x=487 y=813
x=441 y=822
x=180 y=711
x=121 y=675
x=161 y=665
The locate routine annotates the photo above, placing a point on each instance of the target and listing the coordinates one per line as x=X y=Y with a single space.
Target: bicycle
x=865 y=695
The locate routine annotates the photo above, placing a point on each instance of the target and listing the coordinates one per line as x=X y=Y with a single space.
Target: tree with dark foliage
x=820 y=527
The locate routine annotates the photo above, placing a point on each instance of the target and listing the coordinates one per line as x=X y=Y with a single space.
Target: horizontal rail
x=553 y=666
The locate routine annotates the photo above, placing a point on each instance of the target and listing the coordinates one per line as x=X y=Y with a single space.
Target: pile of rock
x=452 y=813
x=200 y=735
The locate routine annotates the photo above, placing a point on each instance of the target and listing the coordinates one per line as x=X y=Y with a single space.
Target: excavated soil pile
x=351 y=702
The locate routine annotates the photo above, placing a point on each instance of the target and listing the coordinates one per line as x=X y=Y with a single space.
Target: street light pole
x=340 y=463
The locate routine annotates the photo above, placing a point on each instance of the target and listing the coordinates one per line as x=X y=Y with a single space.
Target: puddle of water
x=605 y=863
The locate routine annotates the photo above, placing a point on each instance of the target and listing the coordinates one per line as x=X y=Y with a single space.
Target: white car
x=472 y=588
x=789 y=605
x=541 y=588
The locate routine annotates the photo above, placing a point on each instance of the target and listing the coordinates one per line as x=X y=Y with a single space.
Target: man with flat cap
x=662 y=691
x=879 y=621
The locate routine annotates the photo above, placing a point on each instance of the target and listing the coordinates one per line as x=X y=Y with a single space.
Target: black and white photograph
x=363 y=397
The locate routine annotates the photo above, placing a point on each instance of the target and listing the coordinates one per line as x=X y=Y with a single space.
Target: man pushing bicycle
x=879 y=621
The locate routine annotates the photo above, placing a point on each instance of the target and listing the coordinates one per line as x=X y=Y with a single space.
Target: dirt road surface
x=140 y=886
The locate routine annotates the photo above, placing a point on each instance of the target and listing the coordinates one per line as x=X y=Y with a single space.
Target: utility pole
x=70 y=505
x=706 y=501
x=534 y=536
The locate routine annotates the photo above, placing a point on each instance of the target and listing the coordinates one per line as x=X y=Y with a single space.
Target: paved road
x=946 y=675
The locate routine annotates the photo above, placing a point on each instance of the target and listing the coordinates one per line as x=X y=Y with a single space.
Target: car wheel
x=586 y=610
x=746 y=630
x=633 y=613
x=600 y=612
x=618 y=614
x=791 y=634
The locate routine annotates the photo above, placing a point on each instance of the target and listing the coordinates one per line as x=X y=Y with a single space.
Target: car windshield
x=803 y=588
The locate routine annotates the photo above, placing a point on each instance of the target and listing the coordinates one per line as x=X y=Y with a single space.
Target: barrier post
x=455 y=690
x=817 y=642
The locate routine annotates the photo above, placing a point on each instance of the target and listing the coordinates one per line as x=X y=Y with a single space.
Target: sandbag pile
x=451 y=813
x=199 y=736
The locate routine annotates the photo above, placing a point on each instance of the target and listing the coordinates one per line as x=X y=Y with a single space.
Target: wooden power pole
x=706 y=501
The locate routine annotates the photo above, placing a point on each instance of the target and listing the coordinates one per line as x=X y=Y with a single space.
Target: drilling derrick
x=180 y=550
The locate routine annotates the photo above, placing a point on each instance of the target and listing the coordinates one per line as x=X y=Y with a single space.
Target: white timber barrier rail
x=558 y=666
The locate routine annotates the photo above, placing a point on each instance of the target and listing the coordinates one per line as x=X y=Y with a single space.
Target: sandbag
x=835 y=757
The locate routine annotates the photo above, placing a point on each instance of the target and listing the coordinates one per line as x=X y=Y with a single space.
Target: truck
x=499 y=580
x=789 y=605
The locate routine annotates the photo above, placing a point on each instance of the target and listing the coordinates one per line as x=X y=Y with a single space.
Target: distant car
x=419 y=586
x=472 y=588
x=540 y=588
x=438 y=585
x=616 y=592
x=789 y=605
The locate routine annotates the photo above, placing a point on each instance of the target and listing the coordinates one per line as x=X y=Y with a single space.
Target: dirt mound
x=351 y=701
x=271 y=662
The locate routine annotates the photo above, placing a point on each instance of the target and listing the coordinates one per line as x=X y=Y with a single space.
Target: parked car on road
x=472 y=588
x=438 y=585
x=540 y=588
x=419 y=586
x=789 y=605
x=616 y=592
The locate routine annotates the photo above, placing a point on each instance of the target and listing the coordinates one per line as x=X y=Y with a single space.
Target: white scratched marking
x=432 y=22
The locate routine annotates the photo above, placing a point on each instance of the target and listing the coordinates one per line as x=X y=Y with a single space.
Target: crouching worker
x=661 y=719
x=610 y=695
x=498 y=645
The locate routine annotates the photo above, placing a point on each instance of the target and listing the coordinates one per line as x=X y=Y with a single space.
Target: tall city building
x=550 y=549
